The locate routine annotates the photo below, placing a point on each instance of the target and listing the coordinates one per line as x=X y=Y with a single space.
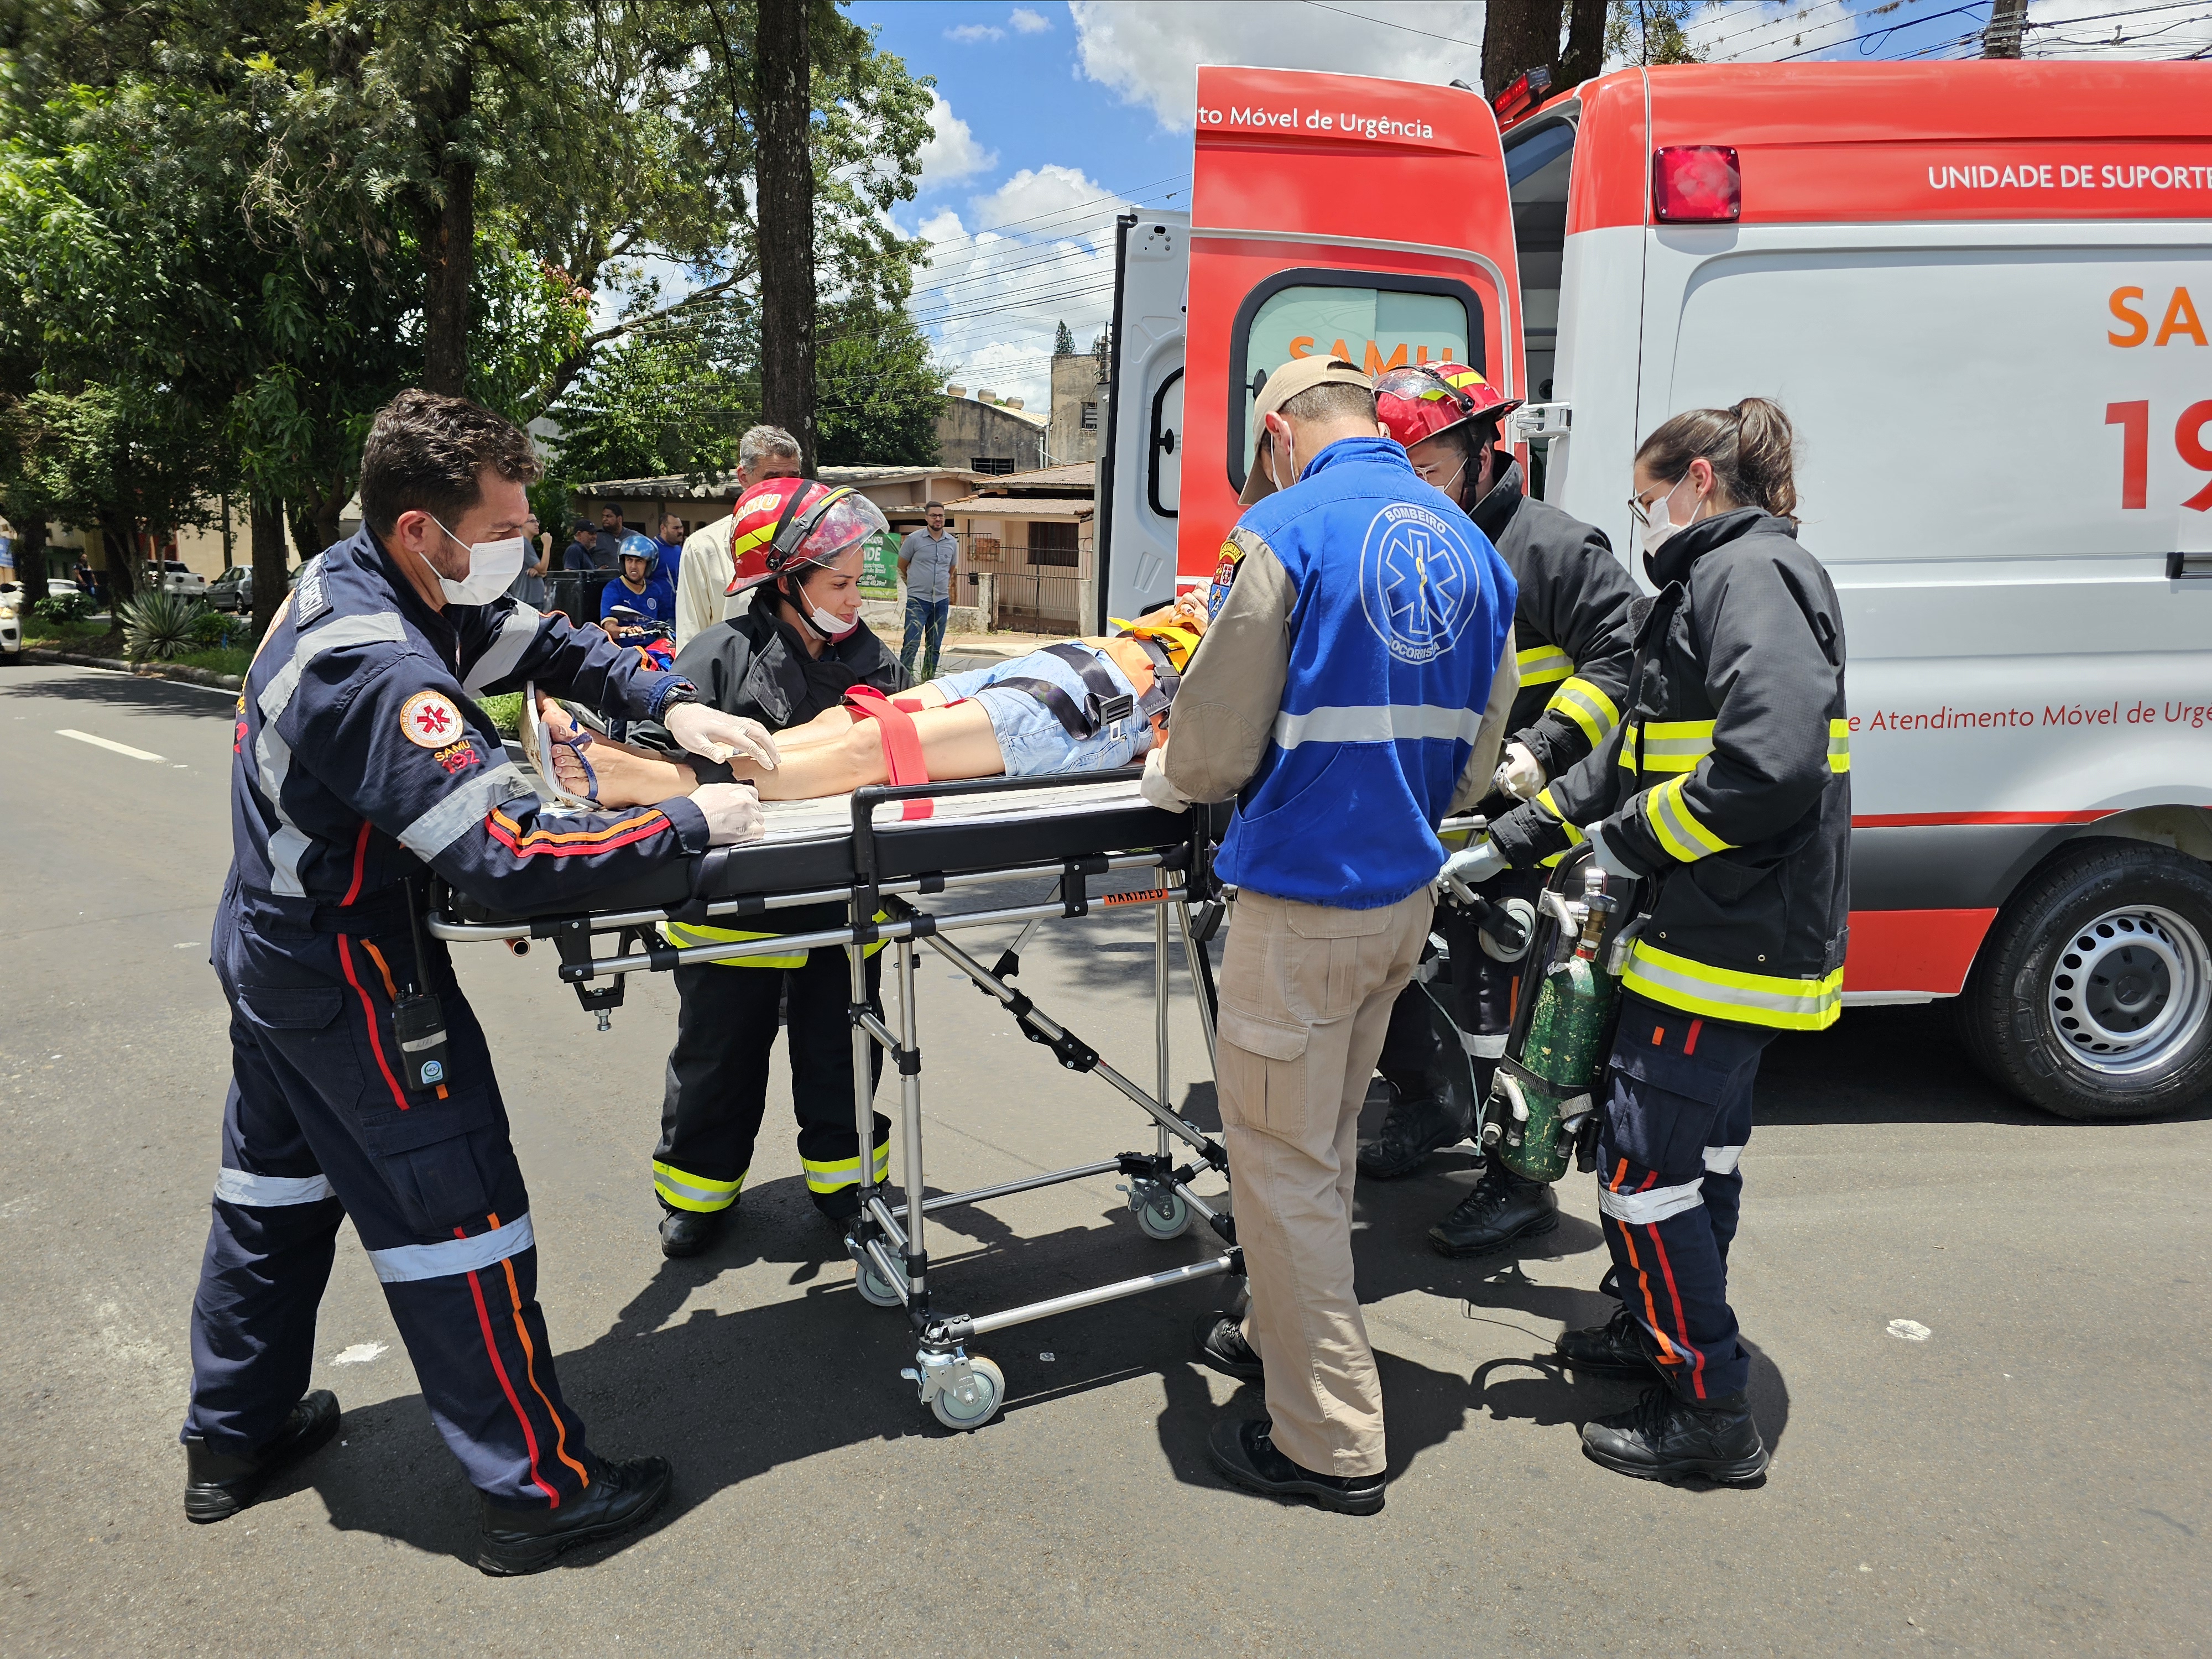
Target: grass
x=99 y=640
x=38 y=631
x=506 y=712
x=233 y=660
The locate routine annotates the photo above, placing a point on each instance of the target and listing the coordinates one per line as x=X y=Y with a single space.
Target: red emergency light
x=1518 y=101
x=1696 y=185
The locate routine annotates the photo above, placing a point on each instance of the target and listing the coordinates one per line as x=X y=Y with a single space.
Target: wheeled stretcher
x=932 y=839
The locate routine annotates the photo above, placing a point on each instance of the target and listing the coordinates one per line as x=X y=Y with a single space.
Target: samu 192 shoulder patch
x=309 y=601
x=430 y=721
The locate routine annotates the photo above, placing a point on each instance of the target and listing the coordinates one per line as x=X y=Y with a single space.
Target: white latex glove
x=733 y=813
x=1609 y=858
x=1157 y=788
x=1465 y=872
x=1518 y=774
x=720 y=737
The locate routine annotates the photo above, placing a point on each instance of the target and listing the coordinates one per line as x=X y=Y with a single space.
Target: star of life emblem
x=1417 y=583
x=430 y=719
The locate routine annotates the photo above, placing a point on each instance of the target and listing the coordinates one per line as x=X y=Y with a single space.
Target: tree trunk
x=2001 y=38
x=1585 y=53
x=31 y=559
x=269 y=563
x=784 y=203
x=450 y=243
x=1517 y=36
x=120 y=543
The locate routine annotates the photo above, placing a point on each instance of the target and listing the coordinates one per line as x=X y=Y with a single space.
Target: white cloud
x=1048 y=200
x=974 y=34
x=1149 y=52
x=1026 y=21
x=951 y=153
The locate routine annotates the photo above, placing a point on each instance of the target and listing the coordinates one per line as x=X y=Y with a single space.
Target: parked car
x=233 y=590
x=175 y=576
x=11 y=621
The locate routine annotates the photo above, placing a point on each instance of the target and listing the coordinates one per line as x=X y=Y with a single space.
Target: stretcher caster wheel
x=1163 y=1215
x=875 y=1289
x=973 y=1402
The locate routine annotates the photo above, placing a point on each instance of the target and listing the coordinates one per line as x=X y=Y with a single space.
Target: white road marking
x=107 y=743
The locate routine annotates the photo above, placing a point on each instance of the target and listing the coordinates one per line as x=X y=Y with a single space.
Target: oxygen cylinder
x=1541 y=1093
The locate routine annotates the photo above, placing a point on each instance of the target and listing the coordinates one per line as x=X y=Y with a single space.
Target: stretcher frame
x=888 y=1240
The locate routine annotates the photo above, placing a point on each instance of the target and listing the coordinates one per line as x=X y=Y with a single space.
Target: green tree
x=1653 y=32
x=1063 y=342
x=879 y=389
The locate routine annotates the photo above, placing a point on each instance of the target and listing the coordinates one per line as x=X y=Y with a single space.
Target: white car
x=11 y=620
x=174 y=576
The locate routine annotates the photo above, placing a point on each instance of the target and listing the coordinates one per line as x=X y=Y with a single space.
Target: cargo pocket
x=289 y=1007
x=1263 y=1074
x=434 y=1162
x=1334 y=959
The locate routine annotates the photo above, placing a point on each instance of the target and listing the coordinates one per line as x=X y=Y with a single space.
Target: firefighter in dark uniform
x=1572 y=634
x=1726 y=792
x=789 y=655
x=361 y=1086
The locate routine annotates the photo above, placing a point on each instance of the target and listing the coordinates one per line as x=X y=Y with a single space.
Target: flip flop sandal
x=538 y=744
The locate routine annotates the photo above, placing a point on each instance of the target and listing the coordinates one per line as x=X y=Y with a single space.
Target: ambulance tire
x=2048 y=943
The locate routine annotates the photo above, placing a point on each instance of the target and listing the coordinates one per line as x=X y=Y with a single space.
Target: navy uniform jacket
x=362 y=757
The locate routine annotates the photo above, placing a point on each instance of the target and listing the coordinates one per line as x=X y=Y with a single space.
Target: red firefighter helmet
x=1421 y=400
x=783 y=525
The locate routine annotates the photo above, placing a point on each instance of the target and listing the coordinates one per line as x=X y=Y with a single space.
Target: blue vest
x=1402 y=612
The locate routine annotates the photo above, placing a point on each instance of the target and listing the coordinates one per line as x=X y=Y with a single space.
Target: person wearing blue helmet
x=645 y=598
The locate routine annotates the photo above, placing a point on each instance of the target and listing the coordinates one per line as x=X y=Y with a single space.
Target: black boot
x=217 y=1484
x=1665 y=1437
x=1503 y=1209
x=1613 y=1349
x=687 y=1233
x=1245 y=1452
x=1421 y=1120
x=1222 y=1347
x=511 y=1541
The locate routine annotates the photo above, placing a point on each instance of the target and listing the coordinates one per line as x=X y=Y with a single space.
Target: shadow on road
x=125 y=692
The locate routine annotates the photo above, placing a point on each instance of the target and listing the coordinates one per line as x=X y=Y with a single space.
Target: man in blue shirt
x=1351 y=689
x=640 y=590
x=669 y=541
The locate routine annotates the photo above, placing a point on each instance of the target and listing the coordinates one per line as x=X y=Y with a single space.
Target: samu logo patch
x=1418 y=582
x=430 y=721
x=459 y=757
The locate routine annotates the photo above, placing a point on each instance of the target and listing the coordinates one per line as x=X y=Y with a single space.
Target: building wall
x=1075 y=389
x=969 y=430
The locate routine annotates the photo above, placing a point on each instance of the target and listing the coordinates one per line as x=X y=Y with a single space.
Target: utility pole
x=2008 y=21
x=784 y=203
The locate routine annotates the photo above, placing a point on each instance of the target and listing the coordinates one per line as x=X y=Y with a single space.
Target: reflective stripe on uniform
x=452 y=818
x=266 y=1192
x=1666 y=746
x=838 y=1173
x=1653 y=1204
x=1574 y=836
x=1839 y=746
x=1587 y=707
x=701 y=1193
x=1695 y=987
x=1377 y=723
x=1721 y=1160
x=1679 y=829
x=1541 y=665
x=515 y=634
x=406 y=1263
x=692 y=933
x=273 y=755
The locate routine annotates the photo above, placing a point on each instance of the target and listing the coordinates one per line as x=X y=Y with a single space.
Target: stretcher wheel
x=987 y=1392
x=1163 y=1216
x=875 y=1289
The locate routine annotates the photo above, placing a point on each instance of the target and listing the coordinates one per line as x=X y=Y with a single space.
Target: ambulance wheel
x=1166 y=1217
x=875 y=1289
x=2092 y=997
x=987 y=1395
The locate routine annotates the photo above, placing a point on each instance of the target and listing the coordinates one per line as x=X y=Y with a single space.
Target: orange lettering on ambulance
x=2138 y=324
x=1375 y=365
x=2180 y=319
x=1301 y=347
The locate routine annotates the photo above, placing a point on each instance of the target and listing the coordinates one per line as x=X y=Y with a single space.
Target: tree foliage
x=879 y=389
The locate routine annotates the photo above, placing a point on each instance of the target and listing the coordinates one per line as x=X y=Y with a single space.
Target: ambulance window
x=1374 y=320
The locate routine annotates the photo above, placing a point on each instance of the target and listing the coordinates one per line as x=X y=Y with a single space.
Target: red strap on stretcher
x=902 y=758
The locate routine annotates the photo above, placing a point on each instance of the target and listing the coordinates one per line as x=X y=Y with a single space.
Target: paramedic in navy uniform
x=362 y=757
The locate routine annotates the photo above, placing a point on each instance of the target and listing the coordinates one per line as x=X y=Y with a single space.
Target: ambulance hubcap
x=2130 y=989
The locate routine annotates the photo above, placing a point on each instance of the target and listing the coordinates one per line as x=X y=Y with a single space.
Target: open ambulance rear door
x=1365 y=219
x=1140 y=482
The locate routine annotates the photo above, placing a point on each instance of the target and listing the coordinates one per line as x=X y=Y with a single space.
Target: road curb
x=173 y=670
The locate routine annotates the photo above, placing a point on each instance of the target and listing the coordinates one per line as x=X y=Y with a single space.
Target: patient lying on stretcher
x=1079 y=705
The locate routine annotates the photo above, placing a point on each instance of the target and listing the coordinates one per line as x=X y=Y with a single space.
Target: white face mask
x=1659 y=527
x=493 y=567
x=833 y=628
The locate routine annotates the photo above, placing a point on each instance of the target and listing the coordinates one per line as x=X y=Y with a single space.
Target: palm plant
x=157 y=626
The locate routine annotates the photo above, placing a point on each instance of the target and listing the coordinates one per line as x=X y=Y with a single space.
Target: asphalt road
x=2031 y=1477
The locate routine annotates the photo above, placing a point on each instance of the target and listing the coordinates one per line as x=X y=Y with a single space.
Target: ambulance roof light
x=1519 y=101
x=1696 y=185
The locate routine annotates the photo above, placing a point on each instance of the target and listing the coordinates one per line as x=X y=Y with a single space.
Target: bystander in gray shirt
x=929 y=564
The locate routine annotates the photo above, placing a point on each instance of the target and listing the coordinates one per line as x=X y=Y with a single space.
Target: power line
x=1406 y=29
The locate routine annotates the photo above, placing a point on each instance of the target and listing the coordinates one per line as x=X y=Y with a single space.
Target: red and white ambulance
x=1984 y=293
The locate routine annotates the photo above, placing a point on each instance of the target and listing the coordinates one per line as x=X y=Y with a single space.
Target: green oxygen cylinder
x=1541 y=1094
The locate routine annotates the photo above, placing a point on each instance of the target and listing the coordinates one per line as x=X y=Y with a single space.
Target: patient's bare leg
x=956 y=743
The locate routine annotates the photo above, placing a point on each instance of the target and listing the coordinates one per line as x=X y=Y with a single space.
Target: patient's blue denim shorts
x=1030 y=737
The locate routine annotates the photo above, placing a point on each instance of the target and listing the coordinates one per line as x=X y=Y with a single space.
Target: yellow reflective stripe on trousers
x=1587 y=707
x=1666 y=746
x=840 y=1172
x=1839 y=746
x=1541 y=664
x=682 y=934
x=702 y=1193
x=1679 y=830
x=1551 y=807
x=1788 y=1005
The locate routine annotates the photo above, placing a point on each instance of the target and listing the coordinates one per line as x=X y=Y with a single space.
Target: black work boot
x=1613 y=1349
x=1503 y=1209
x=1222 y=1347
x=217 y=1484
x=514 y=1540
x=1420 y=1121
x=1245 y=1452
x=1665 y=1437
x=687 y=1233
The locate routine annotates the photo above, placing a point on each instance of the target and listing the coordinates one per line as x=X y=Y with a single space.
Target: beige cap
x=1300 y=374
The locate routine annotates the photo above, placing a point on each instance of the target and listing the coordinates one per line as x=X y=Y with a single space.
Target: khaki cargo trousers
x=1305 y=1000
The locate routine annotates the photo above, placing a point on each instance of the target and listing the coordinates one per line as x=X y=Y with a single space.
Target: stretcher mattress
x=988 y=824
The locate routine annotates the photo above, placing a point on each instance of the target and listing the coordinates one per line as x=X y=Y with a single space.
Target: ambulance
x=1982 y=291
